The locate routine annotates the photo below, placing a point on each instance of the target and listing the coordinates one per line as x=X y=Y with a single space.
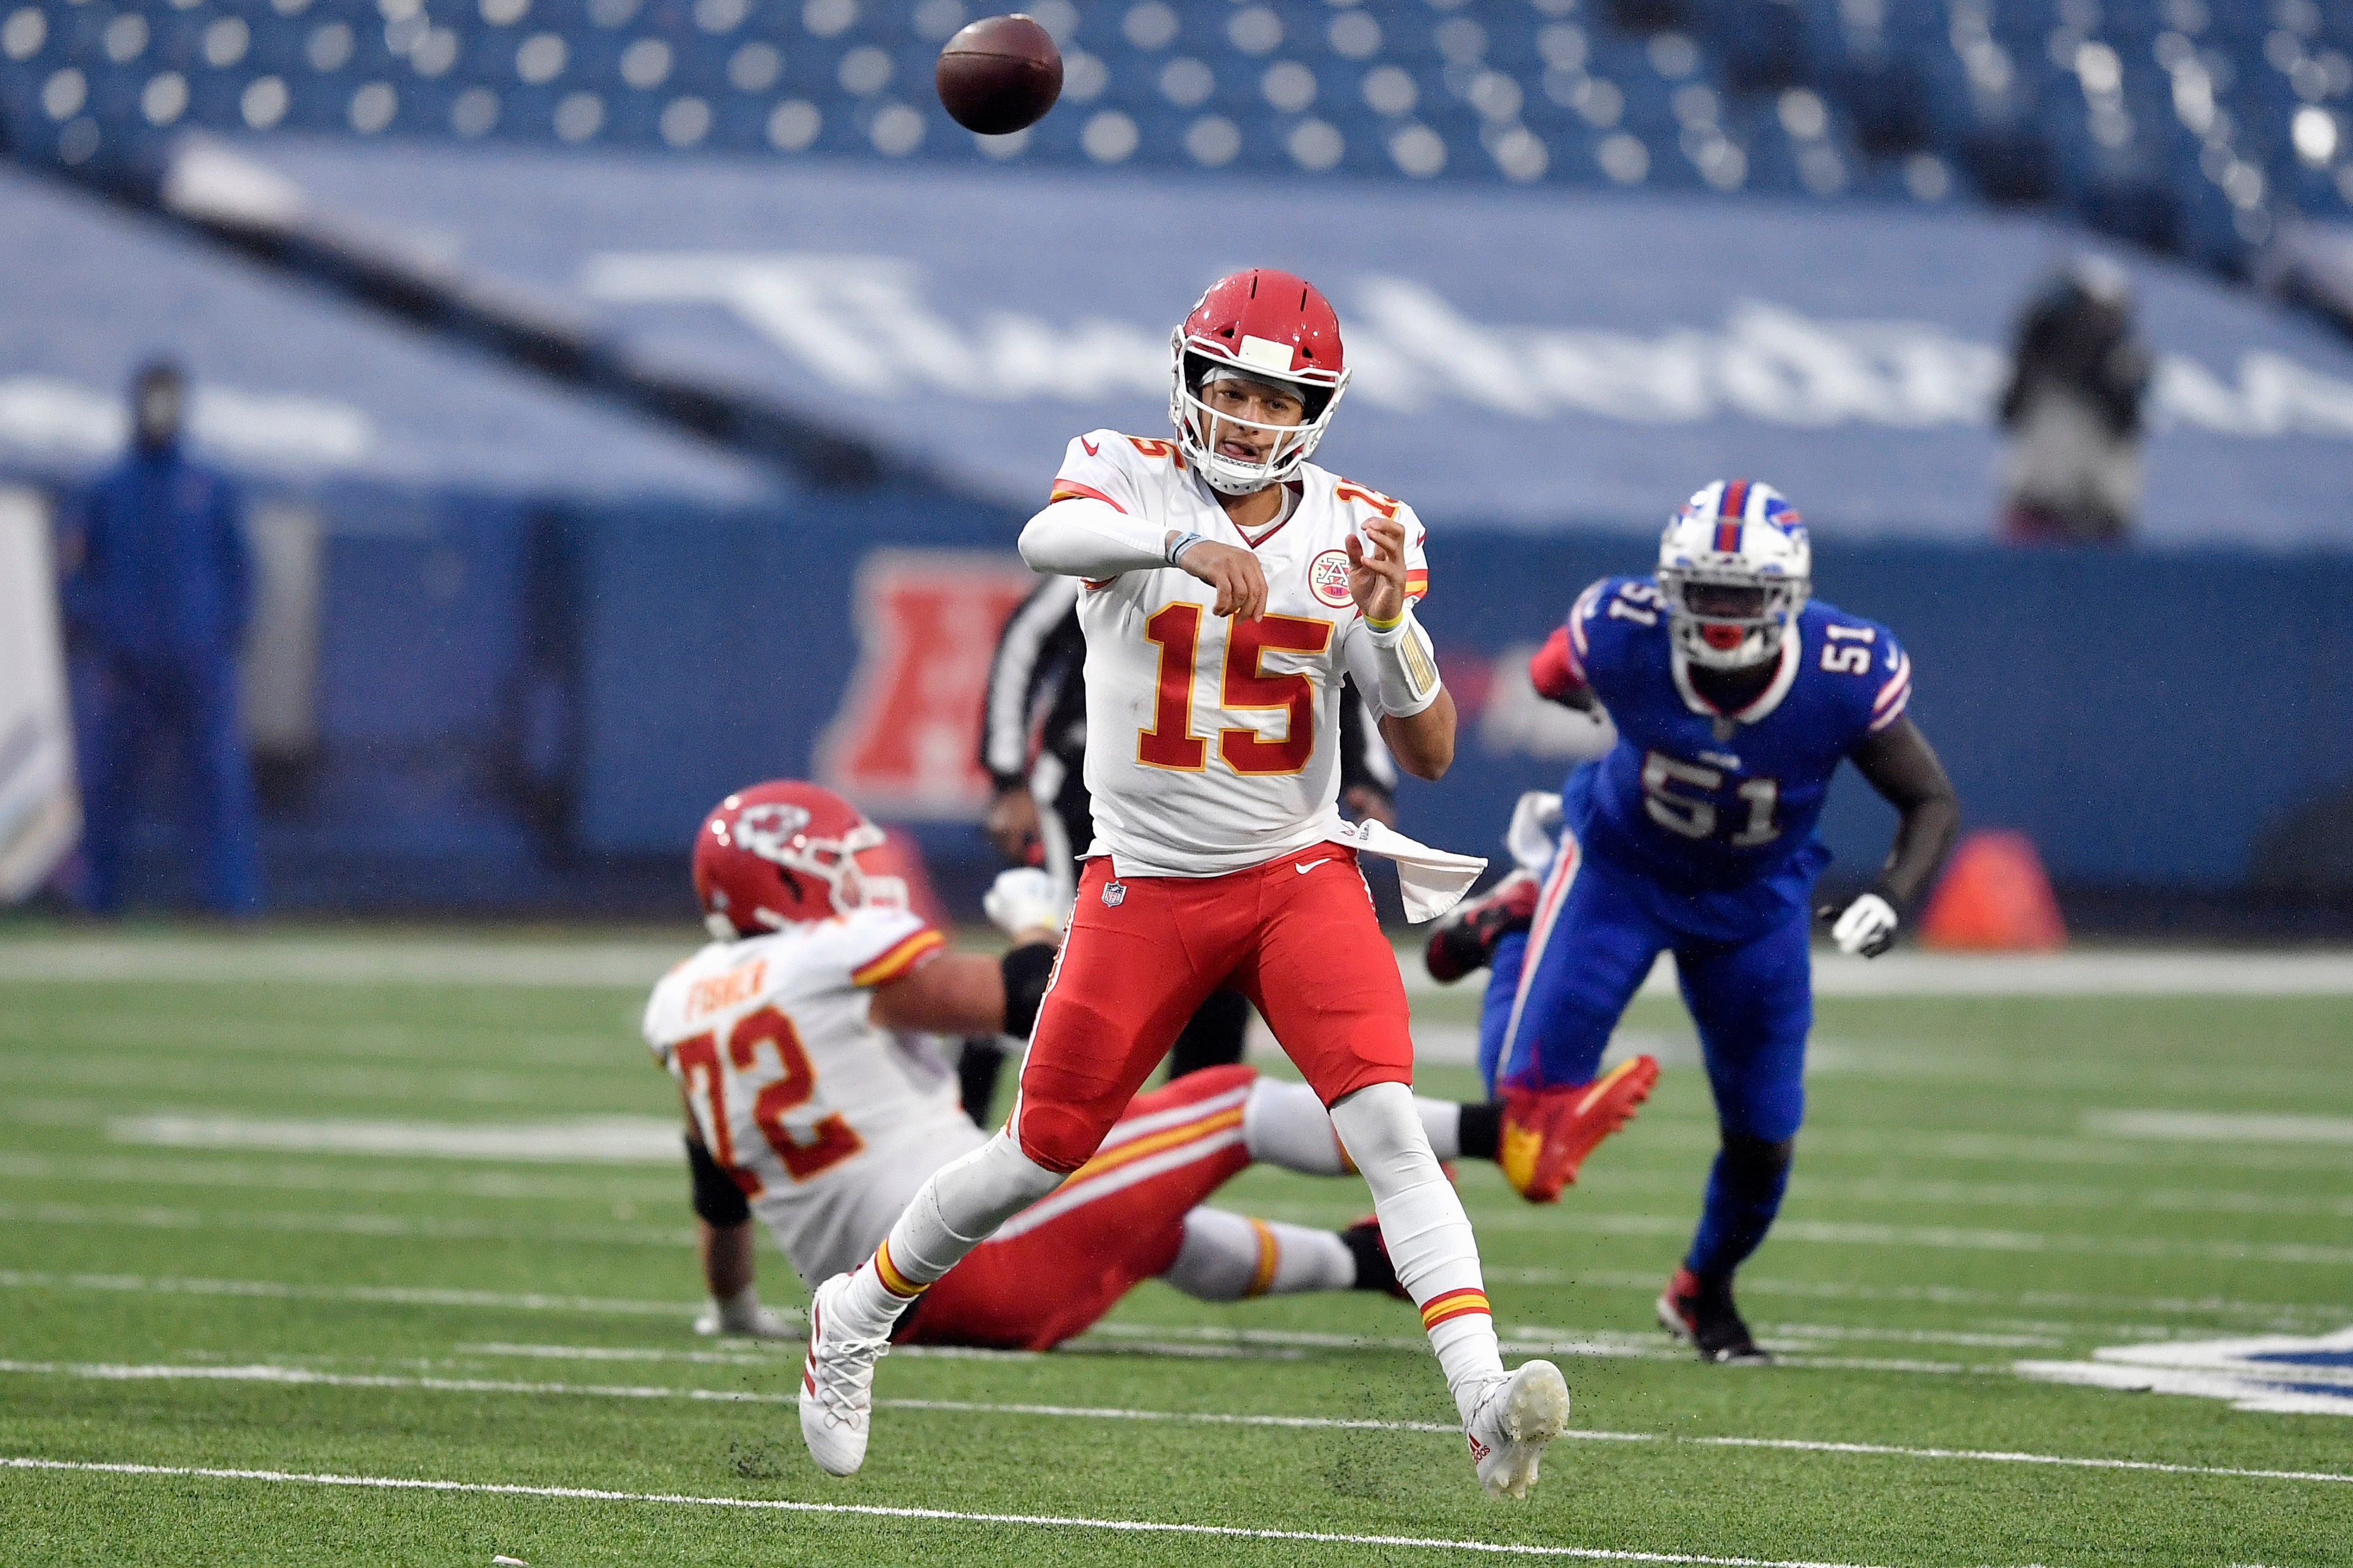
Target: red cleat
x=1465 y=940
x=1547 y=1132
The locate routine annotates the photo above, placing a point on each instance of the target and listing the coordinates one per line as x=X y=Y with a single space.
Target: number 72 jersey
x=828 y=1122
x=1703 y=800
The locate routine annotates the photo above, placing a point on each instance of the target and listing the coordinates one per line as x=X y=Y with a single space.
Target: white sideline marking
x=606 y=1139
x=635 y=965
x=395 y=1295
x=2280 y=1373
x=386 y=960
x=2210 y=1127
x=301 y=1222
x=299 y=1376
x=782 y=1505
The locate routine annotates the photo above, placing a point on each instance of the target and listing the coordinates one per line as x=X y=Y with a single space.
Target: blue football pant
x=1558 y=990
x=188 y=708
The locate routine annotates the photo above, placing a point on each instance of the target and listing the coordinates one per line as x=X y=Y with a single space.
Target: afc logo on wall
x=906 y=742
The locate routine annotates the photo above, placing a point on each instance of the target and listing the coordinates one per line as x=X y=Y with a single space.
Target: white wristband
x=1409 y=669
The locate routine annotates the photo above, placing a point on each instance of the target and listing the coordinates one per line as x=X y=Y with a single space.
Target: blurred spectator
x=157 y=594
x=2078 y=377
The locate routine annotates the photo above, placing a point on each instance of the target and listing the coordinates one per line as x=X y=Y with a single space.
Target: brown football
x=1000 y=74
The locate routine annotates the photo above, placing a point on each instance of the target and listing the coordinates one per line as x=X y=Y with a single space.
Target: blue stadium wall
x=529 y=708
x=2145 y=717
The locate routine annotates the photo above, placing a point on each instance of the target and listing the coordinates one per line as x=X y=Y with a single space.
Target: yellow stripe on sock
x=1451 y=1304
x=1270 y=1254
x=898 y=1284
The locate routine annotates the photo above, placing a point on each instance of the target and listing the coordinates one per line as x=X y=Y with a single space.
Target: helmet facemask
x=778 y=834
x=1727 y=615
x=1192 y=372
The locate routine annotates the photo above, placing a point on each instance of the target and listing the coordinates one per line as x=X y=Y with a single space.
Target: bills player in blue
x=1736 y=698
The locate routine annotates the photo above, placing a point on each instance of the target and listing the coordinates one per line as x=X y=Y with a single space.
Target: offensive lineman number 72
x=832 y=1140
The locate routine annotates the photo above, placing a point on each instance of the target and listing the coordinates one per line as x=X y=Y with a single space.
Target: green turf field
x=186 y=1287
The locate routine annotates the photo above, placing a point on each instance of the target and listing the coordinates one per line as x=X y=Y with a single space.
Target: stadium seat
x=2175 y=123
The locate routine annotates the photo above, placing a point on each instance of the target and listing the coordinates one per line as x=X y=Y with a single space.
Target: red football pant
x=1297 y=936
x=1056 y=1268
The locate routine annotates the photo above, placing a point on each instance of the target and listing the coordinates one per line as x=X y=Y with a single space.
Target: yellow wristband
x=1388 y=626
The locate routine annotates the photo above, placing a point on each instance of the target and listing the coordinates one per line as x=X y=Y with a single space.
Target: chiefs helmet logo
x=768 y=831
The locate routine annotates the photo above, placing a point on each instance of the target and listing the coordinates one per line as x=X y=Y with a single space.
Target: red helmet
x=781 y=853
x=1267 y=326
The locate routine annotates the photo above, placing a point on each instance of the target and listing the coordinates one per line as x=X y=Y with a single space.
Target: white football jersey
x=1214 y=745
x=831 y=1122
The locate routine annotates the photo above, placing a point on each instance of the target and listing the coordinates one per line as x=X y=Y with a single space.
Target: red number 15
x=1171 y=743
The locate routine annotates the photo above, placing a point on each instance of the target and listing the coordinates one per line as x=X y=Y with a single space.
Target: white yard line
x=307 y=1376
x=401 y=960
x=870 y=1510
x=299 y=1222
x=394 y=1295
x=1897 y=1237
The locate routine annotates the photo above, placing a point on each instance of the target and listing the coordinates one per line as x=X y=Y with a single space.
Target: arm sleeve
x=1903 y=768
x=1013 y=677
x=1092 y=526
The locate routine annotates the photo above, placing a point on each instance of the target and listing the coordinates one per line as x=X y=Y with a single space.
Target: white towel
x=1434 y=881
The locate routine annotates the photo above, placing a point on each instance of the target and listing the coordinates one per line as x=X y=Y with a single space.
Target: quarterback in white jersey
x=1222 y=754
x=1228 y=585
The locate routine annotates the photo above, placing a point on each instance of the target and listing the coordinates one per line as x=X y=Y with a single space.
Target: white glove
x=740 y=1315
x=1866 y=927
x=1530 y=836
x=1022 y=900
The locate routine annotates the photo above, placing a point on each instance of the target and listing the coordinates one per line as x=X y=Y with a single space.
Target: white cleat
x=838 y=1385
x=1511 y=1425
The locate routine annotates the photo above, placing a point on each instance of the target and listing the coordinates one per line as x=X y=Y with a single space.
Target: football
x=999 y=75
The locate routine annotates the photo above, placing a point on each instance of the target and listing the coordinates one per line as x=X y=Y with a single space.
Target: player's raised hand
x=1233 y=572
x=1376 y=569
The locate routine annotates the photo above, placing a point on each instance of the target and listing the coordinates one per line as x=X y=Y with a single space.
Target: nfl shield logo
x=1114 y=894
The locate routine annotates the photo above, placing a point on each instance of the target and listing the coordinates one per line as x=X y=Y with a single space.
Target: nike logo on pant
x=1302 y=870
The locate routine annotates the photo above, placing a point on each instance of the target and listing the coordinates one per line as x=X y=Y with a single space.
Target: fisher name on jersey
x=1703 y=801
x=828 y=1122
x=1213 y=744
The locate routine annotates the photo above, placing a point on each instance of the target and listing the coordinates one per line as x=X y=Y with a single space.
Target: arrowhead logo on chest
x=1327 y=579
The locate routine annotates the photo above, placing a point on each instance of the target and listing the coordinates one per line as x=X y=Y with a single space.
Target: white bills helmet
x=1260 y=325
x=1735 y=568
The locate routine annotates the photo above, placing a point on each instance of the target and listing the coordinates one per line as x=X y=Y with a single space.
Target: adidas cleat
x=1547 y=1132
x=1465 y=940
x=837 y=1398
x=1508 y=1430
x=1703 y=1316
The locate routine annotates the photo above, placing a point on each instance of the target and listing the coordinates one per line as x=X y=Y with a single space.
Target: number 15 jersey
x=1213 y=744
x=1706 y=803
